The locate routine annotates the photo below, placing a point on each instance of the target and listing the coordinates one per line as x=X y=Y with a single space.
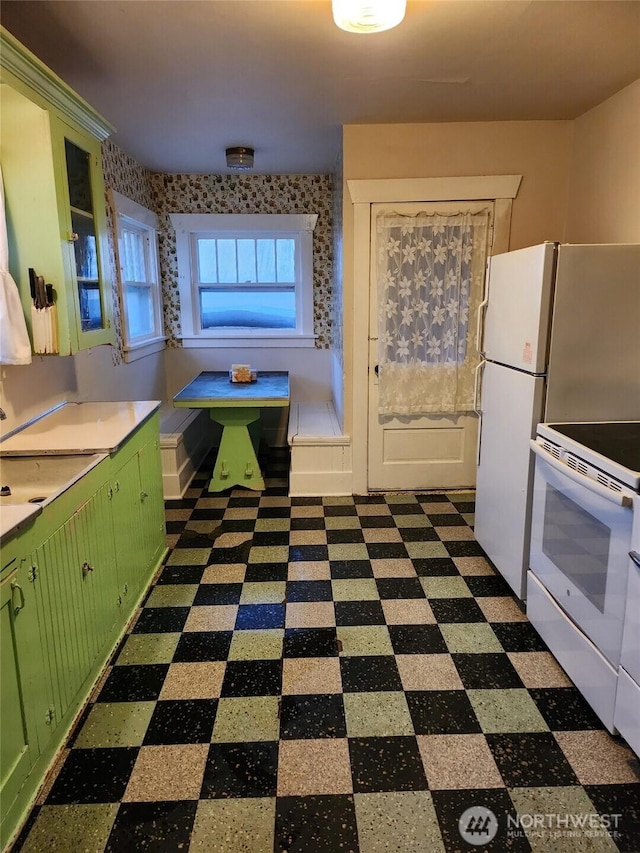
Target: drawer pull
x=15 y=587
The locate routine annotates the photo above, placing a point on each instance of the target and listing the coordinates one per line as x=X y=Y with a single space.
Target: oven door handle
x=617 y=498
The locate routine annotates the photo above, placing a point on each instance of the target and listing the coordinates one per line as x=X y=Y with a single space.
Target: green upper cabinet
x=56 y=212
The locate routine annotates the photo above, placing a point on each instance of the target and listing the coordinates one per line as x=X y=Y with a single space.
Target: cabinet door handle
x=73 y=237
x=15 y=587
x=144 y=495
x=86 y=568
x=635 y=556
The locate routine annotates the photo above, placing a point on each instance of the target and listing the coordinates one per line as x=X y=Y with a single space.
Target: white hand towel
x=15 y=347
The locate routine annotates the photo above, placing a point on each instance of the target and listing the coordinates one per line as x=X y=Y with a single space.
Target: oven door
x=580 y=541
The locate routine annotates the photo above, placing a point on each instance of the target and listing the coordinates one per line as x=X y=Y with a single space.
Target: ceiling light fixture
x=368 y=16
x=240 y=158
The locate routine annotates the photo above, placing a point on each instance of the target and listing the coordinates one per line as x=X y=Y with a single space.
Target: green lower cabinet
x=21 y=673
x=76 y=590
x=72 y=583
x=138 y=518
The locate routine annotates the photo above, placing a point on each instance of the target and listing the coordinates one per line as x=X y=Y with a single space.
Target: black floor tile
x=456 y=610
x=400 y=588
x=350 y=569
x=359 y=613
x=487 y=820
x=369 y=674
x=386 y=764
x=320 y=824
x=274 y=512
x=307 y=524
x=377 y=521
x=530 y=760
x=309 y=591
x=161 y=620
x=218 y=593
x=442 y=712
x=564 y=709
x=464 y=549
x=203 y=646
x=490 y=670
x=347 y=536
x=181 y=575
x=253 y=617
x=419 y=534
x=93 y=776
x=417 y=639
x=182 y=721
x=311 y=553
x=331 y=511
x=252 y=678
x=409 y=508
x=483 y=586
x=240 y=770
x=387 y=551
x=446 y=519
x=316 y=716
x=154 y=827
x=266 y=572
x=435 y=567
x=310 y=643
x=518 y=637
x=621 y=805
x=270 y=538
x=140 y=683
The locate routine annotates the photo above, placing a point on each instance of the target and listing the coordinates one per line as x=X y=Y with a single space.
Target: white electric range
x=583 y=584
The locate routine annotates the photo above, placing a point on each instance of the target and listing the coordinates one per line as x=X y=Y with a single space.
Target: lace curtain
x=430 y=273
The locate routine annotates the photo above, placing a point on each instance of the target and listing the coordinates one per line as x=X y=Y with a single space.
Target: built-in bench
x=320 y=452
x=185 y=440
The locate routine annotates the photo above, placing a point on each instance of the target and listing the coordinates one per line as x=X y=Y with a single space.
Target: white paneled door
x=416 y=452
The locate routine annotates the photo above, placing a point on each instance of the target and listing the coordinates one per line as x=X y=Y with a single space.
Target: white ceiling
x=181 y=80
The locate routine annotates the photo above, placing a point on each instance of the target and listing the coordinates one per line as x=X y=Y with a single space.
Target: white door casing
x=500 y=189
x=418 y=451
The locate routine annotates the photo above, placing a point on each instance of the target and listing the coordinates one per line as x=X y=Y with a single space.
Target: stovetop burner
x=616 y=440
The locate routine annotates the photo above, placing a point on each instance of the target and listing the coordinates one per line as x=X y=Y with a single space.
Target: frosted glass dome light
x=368 y=16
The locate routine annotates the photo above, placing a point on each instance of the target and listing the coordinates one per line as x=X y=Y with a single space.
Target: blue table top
x=214 y=388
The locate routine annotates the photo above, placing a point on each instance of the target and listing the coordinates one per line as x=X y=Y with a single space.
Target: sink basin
x=41 y=479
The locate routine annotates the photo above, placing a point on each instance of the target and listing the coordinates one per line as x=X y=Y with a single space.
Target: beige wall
x=540 y=151
x=604 y=191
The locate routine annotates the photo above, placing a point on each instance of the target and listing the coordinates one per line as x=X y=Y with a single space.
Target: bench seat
x=320 y=452
x=185 y=440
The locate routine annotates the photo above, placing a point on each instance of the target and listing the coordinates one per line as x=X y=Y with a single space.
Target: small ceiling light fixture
x=368 y=16
x=240 y=158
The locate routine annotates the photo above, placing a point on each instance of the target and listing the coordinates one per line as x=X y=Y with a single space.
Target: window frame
x=144 y=221
x=190 y=226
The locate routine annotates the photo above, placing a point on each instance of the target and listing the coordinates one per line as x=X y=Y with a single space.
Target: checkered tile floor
x=333 y=674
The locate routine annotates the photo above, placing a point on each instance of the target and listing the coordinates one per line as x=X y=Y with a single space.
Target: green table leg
x=237 y=460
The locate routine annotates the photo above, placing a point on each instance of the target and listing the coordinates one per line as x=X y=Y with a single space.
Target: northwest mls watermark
x=479 y=825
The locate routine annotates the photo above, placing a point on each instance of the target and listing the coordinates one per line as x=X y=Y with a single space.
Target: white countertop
x=15 y=516
x=80 y=428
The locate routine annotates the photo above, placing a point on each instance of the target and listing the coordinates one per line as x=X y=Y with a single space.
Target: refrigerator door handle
x=476 y=387
x=482 y=307
x=476 y=405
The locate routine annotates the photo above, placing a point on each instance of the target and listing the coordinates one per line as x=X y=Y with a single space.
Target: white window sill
x=135 y=351
x=190 y=342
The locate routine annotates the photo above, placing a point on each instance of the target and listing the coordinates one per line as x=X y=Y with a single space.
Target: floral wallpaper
x=180 y=193
x=184 y=193
x=337 y=316
x=124 y=175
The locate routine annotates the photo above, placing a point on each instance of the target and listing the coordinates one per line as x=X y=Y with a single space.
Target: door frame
x=500 y=189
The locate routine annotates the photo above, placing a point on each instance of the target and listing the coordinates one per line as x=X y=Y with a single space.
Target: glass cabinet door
x=84 y=236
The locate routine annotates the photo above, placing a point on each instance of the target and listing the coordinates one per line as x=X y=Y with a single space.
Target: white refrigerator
x=560 y=341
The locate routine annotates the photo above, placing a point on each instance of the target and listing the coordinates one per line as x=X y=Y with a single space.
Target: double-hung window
x=139 y=279
x=245 y=278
